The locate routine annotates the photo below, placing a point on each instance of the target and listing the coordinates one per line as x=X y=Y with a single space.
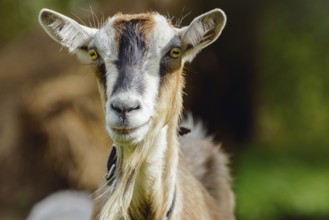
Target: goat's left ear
x=202 y=31
x=67 y=32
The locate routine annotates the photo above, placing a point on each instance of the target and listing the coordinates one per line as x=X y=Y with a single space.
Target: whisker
x=81 y=21
x=182 y=17
x=102 y=20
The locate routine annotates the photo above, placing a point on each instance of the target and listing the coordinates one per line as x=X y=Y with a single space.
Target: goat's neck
x=147 y=173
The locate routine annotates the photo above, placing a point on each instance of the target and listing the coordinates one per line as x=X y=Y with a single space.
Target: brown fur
x=145 y=26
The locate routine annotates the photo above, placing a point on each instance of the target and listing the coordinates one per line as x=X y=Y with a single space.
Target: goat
x=138 y=60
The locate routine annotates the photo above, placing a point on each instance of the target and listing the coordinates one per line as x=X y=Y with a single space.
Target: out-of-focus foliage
x=275 y=184
x=283 y=174
x=293 y=72
x=19 y=16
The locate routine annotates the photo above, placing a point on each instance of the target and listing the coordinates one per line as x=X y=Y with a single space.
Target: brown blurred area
x=52 y=134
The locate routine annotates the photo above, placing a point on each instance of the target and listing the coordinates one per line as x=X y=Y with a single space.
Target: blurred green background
x=262 y=89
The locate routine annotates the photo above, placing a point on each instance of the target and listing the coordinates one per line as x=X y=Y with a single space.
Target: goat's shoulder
x=208 y=163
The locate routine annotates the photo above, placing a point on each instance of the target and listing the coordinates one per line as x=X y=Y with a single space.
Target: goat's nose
x=125 y=106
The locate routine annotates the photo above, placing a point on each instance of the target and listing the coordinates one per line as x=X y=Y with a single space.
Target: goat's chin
x=128 y=136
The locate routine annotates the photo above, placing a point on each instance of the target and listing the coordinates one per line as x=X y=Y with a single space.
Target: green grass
x=276 y=182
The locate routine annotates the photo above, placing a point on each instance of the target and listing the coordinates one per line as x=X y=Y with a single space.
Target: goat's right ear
x=67 y=32
x=202 y=31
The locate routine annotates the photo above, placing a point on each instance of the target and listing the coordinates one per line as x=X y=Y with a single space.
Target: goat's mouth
x=126 y=130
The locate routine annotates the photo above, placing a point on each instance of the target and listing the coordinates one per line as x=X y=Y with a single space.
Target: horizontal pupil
x=175 y=52
x=93 y=54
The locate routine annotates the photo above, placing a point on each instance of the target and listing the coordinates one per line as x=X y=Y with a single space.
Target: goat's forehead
x=157 y=30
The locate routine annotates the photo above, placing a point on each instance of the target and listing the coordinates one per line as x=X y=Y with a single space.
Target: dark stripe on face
x=132 y=54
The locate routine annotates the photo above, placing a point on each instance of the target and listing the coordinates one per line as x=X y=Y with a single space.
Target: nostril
x=116 y=108
x=125 y=107
x=136 y=107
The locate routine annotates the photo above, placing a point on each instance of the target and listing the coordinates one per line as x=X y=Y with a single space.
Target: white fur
x=139 y=120
x=155 y=157
x=67 y=32
x=105 y=42
x=161 y=35
x=64 y=205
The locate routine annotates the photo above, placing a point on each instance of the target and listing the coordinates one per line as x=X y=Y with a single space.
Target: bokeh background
x=262 y=89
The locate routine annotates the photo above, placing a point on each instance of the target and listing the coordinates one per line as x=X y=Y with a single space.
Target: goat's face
x=138 y=60
x=131 y=49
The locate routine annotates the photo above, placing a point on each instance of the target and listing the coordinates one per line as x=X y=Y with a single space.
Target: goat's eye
x=175 y=52
x=93 y=54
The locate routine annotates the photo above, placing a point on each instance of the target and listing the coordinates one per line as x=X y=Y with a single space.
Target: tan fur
x=209 y=164
x=145 y=27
